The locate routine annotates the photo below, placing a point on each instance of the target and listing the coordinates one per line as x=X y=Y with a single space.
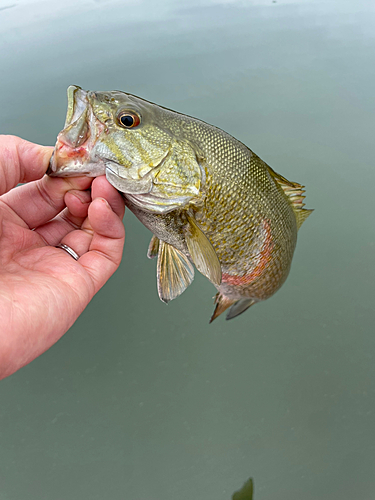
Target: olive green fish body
x=207 y=198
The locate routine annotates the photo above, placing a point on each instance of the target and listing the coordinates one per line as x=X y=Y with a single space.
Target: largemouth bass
x=209 y=201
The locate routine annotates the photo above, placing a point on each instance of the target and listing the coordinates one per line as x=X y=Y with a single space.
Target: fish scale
x=207 y=198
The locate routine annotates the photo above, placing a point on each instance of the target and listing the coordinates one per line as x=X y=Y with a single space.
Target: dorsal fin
x=294 y=193
x=301 y=215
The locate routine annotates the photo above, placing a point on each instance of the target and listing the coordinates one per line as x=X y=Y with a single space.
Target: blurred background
x=140 y=400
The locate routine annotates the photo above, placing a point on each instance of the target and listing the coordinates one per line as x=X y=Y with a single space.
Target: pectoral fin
x=174 y=272
x=153 y=248
x=202 y=253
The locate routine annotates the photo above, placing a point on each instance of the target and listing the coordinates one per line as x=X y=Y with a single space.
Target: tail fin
x=221 y=305
x=237 y=307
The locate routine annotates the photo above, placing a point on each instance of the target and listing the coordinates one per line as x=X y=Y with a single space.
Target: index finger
x=21 y=161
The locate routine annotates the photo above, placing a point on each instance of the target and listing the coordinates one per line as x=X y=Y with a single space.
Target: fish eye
x=128 y=119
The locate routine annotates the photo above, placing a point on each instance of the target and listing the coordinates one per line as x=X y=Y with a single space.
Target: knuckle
x=46 y=196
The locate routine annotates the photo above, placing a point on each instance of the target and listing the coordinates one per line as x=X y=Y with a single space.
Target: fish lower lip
x=154 y=204
x=130 y=186
x=51 y=173
x=111 y=169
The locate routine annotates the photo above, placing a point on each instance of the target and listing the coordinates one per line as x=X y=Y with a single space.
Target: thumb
x=21 y=161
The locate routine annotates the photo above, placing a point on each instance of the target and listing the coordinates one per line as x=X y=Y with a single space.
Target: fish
x=211 y=203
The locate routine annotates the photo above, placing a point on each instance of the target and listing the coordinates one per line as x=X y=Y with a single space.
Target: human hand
x=43 y=289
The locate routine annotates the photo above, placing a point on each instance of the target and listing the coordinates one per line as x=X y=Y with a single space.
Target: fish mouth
x=127 y=185
x=77 y=105
x=76 y=141
x=130 y=185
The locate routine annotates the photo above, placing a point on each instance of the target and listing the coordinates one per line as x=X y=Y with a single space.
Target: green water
x=140 y=400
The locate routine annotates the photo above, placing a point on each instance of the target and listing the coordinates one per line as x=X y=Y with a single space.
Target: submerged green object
x=246 y=492
x=208 y=199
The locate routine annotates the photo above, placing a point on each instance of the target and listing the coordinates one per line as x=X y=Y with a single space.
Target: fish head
x=139 y=146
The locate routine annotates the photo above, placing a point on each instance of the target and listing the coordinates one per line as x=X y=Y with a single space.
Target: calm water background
x=140 y=400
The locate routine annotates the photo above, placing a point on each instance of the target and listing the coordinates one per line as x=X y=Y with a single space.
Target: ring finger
x=79 y=240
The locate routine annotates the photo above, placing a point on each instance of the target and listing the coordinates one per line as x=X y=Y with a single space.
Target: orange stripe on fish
x=264 y=257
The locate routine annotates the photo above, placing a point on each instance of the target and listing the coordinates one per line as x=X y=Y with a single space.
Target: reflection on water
x=142 y=400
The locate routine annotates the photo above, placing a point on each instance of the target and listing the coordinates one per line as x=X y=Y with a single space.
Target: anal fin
x=174 y=272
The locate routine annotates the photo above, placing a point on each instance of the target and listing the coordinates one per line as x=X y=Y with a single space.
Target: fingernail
x=82 y=198
x=103 y=200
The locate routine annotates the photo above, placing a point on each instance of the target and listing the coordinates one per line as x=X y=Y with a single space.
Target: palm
x=52 y=281
x=42 y=288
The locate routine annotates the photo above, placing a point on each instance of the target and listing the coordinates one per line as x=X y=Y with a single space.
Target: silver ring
x=69 y=250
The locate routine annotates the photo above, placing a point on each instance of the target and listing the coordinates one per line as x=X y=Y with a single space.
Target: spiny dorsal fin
x=174 y=272
x=294 y=192
x=153 y=247
x=202 y=252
